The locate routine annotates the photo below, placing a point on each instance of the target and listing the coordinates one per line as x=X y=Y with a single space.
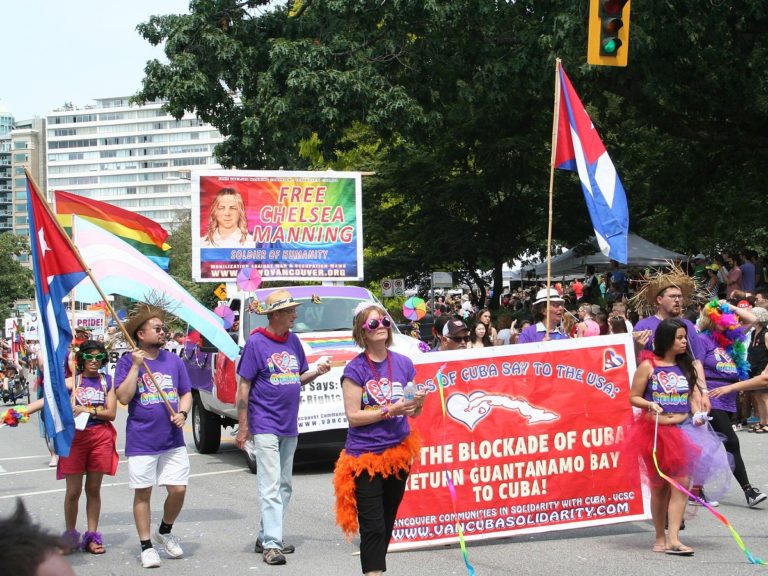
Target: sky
x=56 y=51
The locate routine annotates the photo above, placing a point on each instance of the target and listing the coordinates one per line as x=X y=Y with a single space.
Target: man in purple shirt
x=272 y=370
x=547 y=325
x=747 y=272
x=154 y=437
x=667 y=292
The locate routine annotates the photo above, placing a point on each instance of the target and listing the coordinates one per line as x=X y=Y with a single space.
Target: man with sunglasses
x=272 y=370
x=455 y=335
x=154 y=437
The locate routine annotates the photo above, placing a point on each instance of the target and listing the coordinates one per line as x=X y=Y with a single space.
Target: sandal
x=761 y=429
x=93 y=543
x=679 y=550
x=70 y=540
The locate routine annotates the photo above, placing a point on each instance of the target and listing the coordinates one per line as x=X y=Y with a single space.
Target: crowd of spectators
x=595 y=303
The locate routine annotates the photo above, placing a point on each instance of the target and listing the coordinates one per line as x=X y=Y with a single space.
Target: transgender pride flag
x=580 y=149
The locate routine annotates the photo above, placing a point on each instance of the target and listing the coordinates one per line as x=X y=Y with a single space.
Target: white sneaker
x=150 y=558
x=170 y=543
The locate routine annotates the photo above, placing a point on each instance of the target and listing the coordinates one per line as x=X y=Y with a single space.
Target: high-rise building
x=135 y=157
x=6 y=196
x=27 y=151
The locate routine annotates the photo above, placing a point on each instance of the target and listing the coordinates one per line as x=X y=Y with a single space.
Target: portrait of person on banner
x=227 y=222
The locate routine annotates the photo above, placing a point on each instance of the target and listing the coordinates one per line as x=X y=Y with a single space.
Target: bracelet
x=185 y=413
x=384 y=409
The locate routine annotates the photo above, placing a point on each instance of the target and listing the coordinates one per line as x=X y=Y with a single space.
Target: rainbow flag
x=145 y=235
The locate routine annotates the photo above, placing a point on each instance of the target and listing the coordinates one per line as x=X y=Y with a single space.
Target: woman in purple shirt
x=371 y=472
x=662 y=387
x=725 y=363
x=92 y=453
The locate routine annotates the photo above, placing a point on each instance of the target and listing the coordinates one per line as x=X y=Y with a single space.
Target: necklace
x=382 y=393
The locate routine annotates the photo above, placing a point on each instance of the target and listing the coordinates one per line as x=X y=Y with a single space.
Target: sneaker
x=286 y=549
x=150 y=558
x=693 y=502
x=170 y=543
x=754 y=496
x=273 y=557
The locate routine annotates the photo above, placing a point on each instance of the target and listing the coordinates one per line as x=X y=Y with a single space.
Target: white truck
x=324 y=325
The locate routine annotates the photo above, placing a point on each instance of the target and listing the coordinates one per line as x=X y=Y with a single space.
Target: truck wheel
x=206 y=428
x=250 y=460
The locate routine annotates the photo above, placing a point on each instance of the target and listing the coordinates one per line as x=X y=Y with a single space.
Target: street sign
x=399 y=286
x=442 y=279
x=220 y=292
x=387 y=290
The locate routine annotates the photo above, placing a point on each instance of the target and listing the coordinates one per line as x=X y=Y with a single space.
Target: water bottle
x=409 y=392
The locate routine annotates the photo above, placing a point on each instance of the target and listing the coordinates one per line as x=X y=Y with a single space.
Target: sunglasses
x=374 y=323
x=459 y=338
x=159 y=329
x=100 y=356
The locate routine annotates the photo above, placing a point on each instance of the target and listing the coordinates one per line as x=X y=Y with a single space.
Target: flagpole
x=555 y=121
x=87 y=269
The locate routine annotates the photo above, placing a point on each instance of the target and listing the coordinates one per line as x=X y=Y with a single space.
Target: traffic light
x=608 y=43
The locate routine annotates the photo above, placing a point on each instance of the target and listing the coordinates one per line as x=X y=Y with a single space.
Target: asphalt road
x=219 y=522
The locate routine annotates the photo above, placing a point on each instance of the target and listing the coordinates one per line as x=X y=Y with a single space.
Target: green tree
x=15 y=279
x=449 y=103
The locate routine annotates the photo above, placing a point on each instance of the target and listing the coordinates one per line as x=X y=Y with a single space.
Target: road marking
x=111 y=484
x=4 y=473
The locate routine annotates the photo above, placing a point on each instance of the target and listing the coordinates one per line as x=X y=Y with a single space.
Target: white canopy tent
x=641 y=253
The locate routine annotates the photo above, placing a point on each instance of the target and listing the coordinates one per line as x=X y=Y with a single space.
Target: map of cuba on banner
x=289 y=226
x=530 y=442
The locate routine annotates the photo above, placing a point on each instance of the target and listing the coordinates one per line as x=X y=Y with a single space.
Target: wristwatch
x=185 y=413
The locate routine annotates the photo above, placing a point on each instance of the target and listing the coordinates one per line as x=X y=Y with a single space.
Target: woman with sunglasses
x=93 y=453
x=371 y=472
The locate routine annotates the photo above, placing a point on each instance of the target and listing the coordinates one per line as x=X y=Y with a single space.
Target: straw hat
x=655 y=284
x=140 y=314
x=278 y=300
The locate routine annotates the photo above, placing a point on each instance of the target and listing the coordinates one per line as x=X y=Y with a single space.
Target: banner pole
x=87 y=269
x=555 y=121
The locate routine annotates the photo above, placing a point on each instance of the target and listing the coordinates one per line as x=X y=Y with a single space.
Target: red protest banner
x=529 y=441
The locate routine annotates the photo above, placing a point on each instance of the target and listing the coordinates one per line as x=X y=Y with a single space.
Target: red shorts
x=93 y=450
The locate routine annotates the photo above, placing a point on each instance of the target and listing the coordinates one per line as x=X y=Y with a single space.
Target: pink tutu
x=693 y=455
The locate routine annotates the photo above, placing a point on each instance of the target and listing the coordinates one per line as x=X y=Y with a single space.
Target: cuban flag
x=580 y=149
x=57 y=271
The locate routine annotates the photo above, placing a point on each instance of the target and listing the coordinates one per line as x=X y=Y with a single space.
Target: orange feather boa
x=392 y=461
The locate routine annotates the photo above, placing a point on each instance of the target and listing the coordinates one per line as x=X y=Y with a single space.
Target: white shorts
x=169 y=468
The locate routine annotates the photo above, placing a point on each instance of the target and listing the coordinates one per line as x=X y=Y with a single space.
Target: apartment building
x=135 y=157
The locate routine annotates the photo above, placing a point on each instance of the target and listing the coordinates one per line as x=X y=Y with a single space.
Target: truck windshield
x=332 y=314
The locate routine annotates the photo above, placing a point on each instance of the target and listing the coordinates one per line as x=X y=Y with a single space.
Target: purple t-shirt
x=536 y=333
x=747 y=276
x=652 y=322
x=379 y=390
x=274 y=370
x=719 y=370
x=93 y=392
x=669 y=388
x=149 y=429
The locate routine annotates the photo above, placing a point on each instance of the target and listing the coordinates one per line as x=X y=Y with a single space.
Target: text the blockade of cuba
x=530 y=442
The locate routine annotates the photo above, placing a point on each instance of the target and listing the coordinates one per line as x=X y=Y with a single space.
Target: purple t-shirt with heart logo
x=274 y=370
x=378 y=390
x=93 y=392
x=149 y=429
